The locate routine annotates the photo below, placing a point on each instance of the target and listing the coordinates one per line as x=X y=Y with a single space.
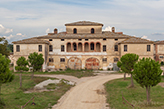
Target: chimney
x=55 y=31
x=113 y=29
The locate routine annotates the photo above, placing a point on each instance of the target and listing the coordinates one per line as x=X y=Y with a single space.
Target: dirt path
x=87 y=94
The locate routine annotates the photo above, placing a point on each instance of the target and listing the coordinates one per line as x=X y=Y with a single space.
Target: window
x=104 y=47
x=104 y=38
x=104 y=60
x=92 y=30
x=51 y=60
x=115 y=59
x=125 y=48
x=62 y=48
x=115 y=47
x=50 y=39
x=62 y=59
x=40 y=47
x=69 y=47
x=74 y=30
x=50 y=48
x=86 y=39
x=62 y=39
x=148 y=47
x=115 y=39
x=74 y=47
x=79 y=39
x=17 y=48
x=92 y=46
x=160 y=56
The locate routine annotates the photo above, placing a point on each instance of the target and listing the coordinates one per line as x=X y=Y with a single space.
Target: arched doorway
x=74 y=63
x=92 y=63
x=69 y=47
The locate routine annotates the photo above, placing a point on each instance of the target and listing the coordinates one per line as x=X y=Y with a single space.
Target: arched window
x=86 y=45
x=79 y=46
x=74 y=47
x=92 y=30
x=74 y=30
x=98 y=47
x=69 y=47
x=92 y=46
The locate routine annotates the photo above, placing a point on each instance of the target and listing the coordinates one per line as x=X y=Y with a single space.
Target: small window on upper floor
x=92 y=30
x=79 y=39
x=62 y=39
x=17 y=48
x=104 y=38
x=50 y=39
x=86 y=39
x=115 y=47
x=62 y=48
x=148 y=47
x=115 y=39
x=40 y=48
x=160 y=56
x=104 y=48
x=125 y=48
x=74 y=30
x=50 y=48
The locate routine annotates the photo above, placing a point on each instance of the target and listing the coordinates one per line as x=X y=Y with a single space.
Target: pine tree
x=126 y=64
x=36 y=61
x=147 y=73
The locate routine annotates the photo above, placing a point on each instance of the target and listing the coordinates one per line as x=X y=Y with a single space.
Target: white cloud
x=8 y=37
x=48 y=30
x=4 y=30
x=145 y=37
x=19 y=34
x=108 y=28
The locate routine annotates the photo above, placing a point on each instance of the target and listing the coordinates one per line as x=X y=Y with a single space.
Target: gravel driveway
x=89 y=92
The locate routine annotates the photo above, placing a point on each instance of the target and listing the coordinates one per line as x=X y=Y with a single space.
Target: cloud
x=48 y=30
x=145 y=37
x=4 y=30
x=19 y=34
x=108 y=28
x=157 y=33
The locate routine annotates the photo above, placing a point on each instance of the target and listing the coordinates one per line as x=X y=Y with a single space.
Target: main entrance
x=92 y=63
x=74 y=63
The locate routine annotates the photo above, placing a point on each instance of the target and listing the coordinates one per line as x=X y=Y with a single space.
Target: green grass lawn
x=76 y=73
x=136 y=96
x=14 y=97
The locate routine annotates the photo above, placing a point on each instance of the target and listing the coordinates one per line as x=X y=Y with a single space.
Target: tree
x=126 y=64
x=36 y=61
x=21 y=67
x=147 y=73
x=5 y=74
x=3 y=47
x=10 y=47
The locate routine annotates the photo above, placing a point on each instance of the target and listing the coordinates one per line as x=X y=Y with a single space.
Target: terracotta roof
x=31 y=41
x=135 y=40
x=79 y=23
x=107 y=34
x=160 y=42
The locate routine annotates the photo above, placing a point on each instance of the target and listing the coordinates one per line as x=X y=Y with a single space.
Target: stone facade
x=83 y=46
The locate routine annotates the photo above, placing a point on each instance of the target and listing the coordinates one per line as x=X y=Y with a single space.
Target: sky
x=22 y=19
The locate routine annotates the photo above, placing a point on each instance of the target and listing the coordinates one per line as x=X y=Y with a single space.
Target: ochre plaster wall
x=84 y=29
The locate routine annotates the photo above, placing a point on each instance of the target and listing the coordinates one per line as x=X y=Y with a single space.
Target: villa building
x=83 y=46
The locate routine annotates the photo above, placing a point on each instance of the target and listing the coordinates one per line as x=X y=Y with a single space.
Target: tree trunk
x=124 y=76
x=20 y=75
x=148 y=94
x=0 y=91
x=32 y=75
x=132 y=84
